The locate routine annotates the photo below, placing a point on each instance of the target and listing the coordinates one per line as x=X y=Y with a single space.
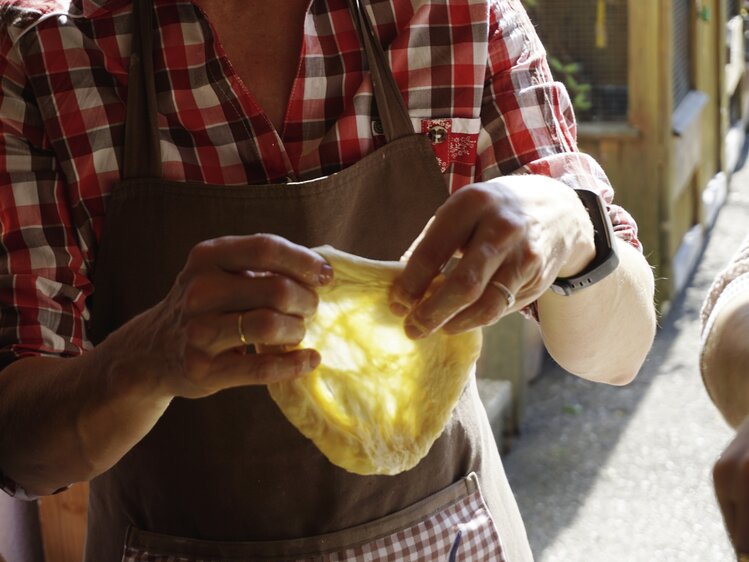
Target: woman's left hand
x=519 y=231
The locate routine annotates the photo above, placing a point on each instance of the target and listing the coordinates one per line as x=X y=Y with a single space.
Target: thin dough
x=378 y=400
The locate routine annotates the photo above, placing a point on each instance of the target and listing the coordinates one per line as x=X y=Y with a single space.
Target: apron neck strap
x=393 y=112
x=142 y=149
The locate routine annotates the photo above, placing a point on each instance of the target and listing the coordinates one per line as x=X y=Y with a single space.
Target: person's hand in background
x=731 y=477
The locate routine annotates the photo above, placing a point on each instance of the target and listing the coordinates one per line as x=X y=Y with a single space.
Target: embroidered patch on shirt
x=453 y=141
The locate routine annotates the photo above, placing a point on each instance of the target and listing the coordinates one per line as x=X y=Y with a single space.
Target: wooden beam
x=63 y=522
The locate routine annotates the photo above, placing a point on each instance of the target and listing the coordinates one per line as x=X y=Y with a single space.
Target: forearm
x=68 y=420
x=65 y=420
x=725 y=357
x=603 y=332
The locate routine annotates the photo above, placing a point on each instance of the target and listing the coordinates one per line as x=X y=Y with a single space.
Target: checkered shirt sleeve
x=43 y=278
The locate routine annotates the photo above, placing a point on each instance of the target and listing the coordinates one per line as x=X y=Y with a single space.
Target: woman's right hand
x=194 y=333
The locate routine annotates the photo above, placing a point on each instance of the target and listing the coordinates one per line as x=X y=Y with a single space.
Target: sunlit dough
x=378 y=400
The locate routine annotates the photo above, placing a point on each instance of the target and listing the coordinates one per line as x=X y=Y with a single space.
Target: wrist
x=125 y=397
x=131 y=363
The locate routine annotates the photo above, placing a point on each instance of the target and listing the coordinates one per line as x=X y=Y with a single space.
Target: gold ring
x=242 y=337
x=506 y=293
x=742 y=557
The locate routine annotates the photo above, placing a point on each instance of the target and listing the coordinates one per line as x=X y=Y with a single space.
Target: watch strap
x=606 y=258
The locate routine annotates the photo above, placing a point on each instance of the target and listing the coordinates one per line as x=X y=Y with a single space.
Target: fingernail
x=398 y=309
x=414 y=331
x=313 y=361
x=326 y=274
x=399 y=298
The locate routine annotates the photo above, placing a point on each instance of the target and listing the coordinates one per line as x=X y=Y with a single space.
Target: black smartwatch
x=606 y=258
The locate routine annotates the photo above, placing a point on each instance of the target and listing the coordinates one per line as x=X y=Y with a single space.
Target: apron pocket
x=453 y=525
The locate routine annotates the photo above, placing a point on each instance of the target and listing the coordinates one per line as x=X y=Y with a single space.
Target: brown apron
x=228 y=477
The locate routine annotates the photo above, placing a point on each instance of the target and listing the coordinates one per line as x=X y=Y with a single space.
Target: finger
x=725 y=476
x=415 y=244
x=261 y=252
x=728 y=509
x=740 y=497
x=450 y=229
x=216 y=333
x=466 y=284
x=740 y=527
x=232 y=370
x=492 y=305
x=220 y=291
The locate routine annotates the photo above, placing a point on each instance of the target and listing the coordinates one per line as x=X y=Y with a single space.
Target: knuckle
x=514 y=225
x=424 y=260
x=283 y=292
x=193 y=295
x=467 y=284
x=490 y=313
x=262 y=323
x=492 y=248
x=265 y=246
x=532 y=255
x=201 y=252
x=267 y=368
x=477 y=195
x=267 y=326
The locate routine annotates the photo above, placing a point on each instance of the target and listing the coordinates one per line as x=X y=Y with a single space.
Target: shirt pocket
x=454 y=140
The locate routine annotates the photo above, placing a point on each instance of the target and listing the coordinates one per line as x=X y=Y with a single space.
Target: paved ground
x=607 y=474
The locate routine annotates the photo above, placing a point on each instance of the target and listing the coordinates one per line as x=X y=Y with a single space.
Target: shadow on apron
x=452 y=525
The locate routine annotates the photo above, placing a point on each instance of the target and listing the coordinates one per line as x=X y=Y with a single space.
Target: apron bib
x=228 y=477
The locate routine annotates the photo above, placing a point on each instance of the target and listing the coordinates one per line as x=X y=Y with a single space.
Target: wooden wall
x=659 y=174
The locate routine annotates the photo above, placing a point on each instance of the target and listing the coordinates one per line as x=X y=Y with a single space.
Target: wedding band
x=242 y=337
x=742 y=557
x=509 y=297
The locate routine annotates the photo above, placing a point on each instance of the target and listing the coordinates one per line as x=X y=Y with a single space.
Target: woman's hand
x=521 y=232
x=731 y=478
x=262 y=285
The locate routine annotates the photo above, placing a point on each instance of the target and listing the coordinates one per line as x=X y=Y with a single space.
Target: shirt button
x=437 y=134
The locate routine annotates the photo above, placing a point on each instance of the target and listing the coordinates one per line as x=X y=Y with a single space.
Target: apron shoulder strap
x=142 y=157
x=393 y=111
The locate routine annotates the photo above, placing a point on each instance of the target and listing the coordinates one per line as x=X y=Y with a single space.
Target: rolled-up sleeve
x=43 y=277
x=528 y=124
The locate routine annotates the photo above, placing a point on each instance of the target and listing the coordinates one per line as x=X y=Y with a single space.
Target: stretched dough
x=378 y=400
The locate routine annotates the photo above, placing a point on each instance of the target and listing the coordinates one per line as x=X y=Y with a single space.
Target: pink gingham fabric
x=462 y=532
x=474 y=67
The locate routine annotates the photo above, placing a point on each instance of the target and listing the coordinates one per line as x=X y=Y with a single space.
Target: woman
x=139 y=170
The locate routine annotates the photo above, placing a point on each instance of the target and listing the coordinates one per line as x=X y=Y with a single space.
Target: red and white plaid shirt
x=476 y=67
